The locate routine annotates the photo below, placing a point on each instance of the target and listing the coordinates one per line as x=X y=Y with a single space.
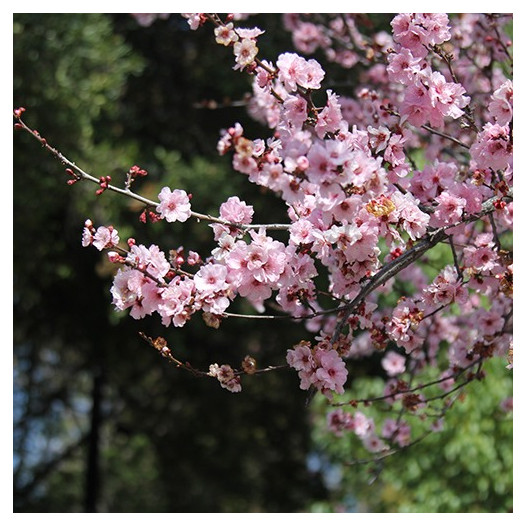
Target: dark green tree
x=101 y=422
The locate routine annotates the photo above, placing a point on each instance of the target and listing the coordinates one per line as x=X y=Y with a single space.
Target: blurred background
x=100 y=421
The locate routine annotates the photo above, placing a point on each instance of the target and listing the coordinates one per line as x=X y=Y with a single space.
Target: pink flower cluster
x=428 y=97
x=101 y=238
x=227 y=377
x=321 y=366
x=340 y=421
x=365 y=181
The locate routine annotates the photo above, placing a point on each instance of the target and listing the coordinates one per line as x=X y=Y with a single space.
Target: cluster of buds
x=104 y=182
x=134 y=172
x=147 y=214
x=499 y=204
x=17 y=112
x=74 y=177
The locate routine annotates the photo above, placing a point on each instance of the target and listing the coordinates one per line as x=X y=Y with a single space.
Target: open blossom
x=330 y=118
x=331 y=372
x=227 y=377
x=445 y=289
x=449 y=210
x=397 y=431
x=245 y=52
x=236 y=211
x=194 y=20
x=403 y=67
x=225 y=34
x=105 y=237
x=482 y=255
x=417 y=31
x=339 y=421
x=177 y=302
x=345 y=170
x=493 y=148
x=321 y=367
x=393 y=363
x=152 y=260
x=501 y=105
x=174 y=205
x=363 y=425
x=296 y=71
x=307 y=37
x=211 y=278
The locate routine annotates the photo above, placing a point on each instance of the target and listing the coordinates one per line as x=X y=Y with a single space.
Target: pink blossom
x=194 y=20
x=296 y=71
x=321 y=167
x=126 y=288
x=300 y=232
x=493 y=148
x=300 y=357
x=378 y=137
x=105 y=237
x=374 y=444
x=295 y=110
x=236 y=211
x=409 y=35
x=445 y=289
x=507 y=405
x=227 y=377
x=483 y=258
x=211 y=278
x=245 y=52
x=307 y=37
x=331 y=372
x=403 y=67
x=174 y=205
x=415 y=31
x=250 y=32
x=449 y=210
x=87 y=234
x=339 y=421
x=398 y=432
x=393 y=363
x=177 y=302
x=501 y=105
x=244 y=164
x=330 y=118
x=152 y=260
x=363 y=425
x=225 y=34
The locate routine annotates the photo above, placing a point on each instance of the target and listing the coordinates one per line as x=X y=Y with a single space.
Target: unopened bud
x=249 y=364
x=114 y=257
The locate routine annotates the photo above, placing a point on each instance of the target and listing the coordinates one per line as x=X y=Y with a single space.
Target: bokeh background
x=100 y=421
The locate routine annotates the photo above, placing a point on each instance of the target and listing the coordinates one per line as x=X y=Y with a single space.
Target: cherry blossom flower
x=225 y=34
x=393 y=363
x=105 y=237
x=245 y=52
x=501 y=105
x=492 y=148
x=296 y=71
x=174 y=205
x=226 y=376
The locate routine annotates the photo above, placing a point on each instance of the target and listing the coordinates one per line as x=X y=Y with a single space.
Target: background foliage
x=101 y=423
